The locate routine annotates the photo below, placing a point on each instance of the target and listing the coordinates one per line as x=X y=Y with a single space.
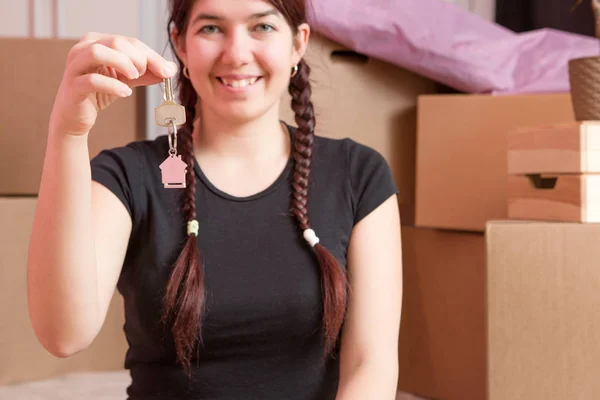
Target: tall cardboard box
x=543 y=282
x=442 y=335
x=23 y=357
x=31 y=74
x=461 y=176
x=370 y=101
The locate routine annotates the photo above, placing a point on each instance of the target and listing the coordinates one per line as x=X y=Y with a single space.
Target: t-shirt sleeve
x=120 y=170
x=370 y=178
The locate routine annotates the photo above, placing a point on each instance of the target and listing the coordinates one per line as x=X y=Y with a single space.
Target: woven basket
x=584 y=78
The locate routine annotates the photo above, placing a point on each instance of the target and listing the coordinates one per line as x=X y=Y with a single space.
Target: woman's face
x=240 y=54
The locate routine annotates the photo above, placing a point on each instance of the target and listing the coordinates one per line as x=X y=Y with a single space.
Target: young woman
x=275 y=273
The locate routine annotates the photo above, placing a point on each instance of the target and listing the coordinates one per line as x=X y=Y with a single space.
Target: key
x=169 y=109
x=171 y=115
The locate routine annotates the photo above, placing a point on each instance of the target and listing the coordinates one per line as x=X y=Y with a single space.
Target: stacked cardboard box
x=542 y=267
x=461 y=184
x=543 y=326
x=462 y=153
x=32 y=78
x=442 y=337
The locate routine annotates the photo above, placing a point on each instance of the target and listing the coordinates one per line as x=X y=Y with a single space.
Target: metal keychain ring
x=172 y=141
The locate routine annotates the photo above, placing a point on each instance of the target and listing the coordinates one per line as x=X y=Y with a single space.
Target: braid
x=333 y=278
x=185 y=290
x=189 y=97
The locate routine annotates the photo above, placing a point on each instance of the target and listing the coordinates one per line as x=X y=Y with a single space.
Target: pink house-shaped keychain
x=173 y=172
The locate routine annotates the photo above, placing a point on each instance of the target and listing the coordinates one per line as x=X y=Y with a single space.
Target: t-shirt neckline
x=285 y=173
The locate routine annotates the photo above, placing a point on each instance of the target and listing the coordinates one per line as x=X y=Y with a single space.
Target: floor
x=89 y=386
x=406 y=396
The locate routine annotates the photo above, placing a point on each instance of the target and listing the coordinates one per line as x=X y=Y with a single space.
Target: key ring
x=172 y=140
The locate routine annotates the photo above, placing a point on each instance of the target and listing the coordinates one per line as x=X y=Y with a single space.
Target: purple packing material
x=451 y=45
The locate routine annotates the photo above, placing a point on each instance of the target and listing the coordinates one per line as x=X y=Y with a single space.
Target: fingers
x=155 y=62
x=88 y=38
x=130 y=57
x=97 y=83
x=147 y=79
x=96 y=55
x=125 y=46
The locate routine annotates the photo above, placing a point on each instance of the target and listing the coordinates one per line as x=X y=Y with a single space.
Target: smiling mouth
x=239 y=83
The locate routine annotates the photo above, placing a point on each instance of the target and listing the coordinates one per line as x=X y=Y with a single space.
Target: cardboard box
x=23 y=357
x=569 y=148
x=30 y=82
x=442 y=336
x=370 y=101
x=461 y=153
x=554 y=172
x=543 y=282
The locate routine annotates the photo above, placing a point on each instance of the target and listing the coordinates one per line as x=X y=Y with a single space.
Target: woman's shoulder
x=368 y=177
x=347 y=150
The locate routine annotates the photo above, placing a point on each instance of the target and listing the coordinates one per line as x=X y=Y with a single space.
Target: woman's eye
x=209 y=29
x=265 y=28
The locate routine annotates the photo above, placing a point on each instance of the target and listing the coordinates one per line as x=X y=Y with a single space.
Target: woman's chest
x=260 y=275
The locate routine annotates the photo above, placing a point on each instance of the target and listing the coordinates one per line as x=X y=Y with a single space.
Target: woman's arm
x=369 y=348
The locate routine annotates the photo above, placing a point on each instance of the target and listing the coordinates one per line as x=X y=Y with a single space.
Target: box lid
x=558 y=148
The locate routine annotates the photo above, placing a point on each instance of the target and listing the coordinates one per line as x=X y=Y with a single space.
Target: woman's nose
x=237 y=48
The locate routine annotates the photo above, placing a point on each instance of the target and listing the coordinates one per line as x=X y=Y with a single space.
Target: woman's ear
x=179 y=41
x=300 y=43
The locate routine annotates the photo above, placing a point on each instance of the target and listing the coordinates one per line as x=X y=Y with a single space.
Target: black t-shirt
x=262 y=331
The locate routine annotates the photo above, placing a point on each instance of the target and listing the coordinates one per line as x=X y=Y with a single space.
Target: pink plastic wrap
x=446 y=43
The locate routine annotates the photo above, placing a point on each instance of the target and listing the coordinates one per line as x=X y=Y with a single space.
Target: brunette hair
x=185 y=296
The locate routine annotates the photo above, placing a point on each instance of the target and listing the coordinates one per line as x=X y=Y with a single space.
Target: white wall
x=14 y=18
x=485 y=8
x=76 y=17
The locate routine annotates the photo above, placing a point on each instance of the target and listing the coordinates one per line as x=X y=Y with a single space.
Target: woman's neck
x=255 y=142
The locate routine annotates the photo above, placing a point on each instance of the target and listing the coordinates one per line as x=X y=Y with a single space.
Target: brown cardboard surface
x=462 y=153
x=370 y=101
x=555 y=149
x=22 y=356
x=556 y=197
x=31 y=76
x=442 y=335
x=553 y=172
x=543 y=282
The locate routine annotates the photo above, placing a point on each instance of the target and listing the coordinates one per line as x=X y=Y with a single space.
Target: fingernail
x=126 y=92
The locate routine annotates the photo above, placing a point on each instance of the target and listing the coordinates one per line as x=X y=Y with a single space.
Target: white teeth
x=240 y=83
